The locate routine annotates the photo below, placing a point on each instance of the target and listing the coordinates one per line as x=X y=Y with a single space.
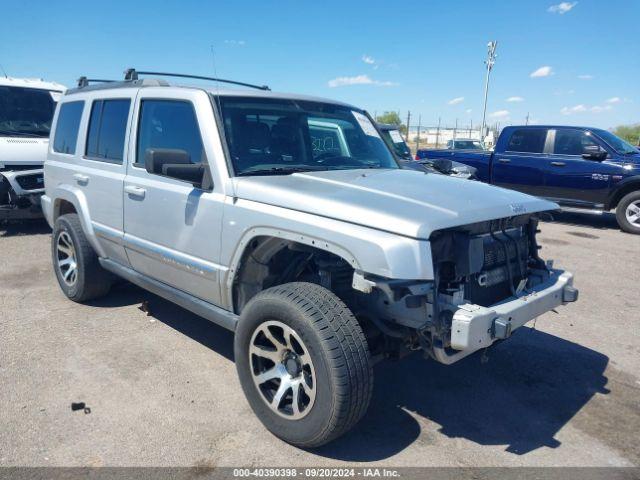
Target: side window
x=169 y=124
x=107 y=129
x=572 y=142
x=530 y=140
x=67 y=127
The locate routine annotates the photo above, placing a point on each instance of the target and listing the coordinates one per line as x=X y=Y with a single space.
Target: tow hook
x=501 y=328
x=569 y=294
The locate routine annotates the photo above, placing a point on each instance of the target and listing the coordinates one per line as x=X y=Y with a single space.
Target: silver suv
x=287 y=220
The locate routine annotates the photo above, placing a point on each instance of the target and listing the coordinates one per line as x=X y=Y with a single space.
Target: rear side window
x=107 y=130
x=67 y=127
x=529 y=140
x=169 y=124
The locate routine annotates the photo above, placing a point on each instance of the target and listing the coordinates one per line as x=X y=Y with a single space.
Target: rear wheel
x=628 y=213
x=303 y=363
x=75 y=263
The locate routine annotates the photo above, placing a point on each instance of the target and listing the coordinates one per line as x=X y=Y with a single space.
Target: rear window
x=107 y=129
x=527 y=140
x=67 y=127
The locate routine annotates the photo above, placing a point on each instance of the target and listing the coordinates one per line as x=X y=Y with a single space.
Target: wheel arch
x=69 y=199
x=250 y=264
x=625 y=187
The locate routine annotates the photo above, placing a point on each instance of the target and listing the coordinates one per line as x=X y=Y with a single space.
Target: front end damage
x=488 y=281
x=21 y=187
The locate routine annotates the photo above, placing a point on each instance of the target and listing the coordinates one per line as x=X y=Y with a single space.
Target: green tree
x=630 y=133
x=392 y=118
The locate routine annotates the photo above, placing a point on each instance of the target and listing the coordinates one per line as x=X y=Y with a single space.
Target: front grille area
x=31 y=182
x=491 y=285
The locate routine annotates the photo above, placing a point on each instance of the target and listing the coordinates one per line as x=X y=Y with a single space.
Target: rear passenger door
x=88 y=154
x=521 y=166
x=572 y=179
x=172 y=229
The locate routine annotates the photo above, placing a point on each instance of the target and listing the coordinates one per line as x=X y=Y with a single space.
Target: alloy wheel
x=282 y=370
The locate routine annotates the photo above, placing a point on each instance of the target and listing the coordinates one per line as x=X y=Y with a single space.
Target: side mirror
x=174 y=164
x=594 y=152
x=443 y=164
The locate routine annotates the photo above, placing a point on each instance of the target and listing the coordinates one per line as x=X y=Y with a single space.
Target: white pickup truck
x=26 y=111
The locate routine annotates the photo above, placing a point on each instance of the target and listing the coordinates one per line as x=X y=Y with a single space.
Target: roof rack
x=84 y=81
x=132 y=74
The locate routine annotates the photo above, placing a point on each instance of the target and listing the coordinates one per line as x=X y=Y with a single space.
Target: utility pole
x=438 y=132
x=408 y=120
x=418 y=137
x=489 y=62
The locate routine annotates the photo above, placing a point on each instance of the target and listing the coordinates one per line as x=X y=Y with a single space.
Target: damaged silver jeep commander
x=287 y=220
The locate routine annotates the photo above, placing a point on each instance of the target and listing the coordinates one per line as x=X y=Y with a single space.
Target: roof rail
x=84 y=81
x=132 y=74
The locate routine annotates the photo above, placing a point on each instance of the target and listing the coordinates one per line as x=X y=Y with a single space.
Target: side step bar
x=217 y=315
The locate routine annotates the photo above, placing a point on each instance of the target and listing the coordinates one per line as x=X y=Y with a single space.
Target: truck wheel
x=75 y=263
x=303 y=363
x=628 y=213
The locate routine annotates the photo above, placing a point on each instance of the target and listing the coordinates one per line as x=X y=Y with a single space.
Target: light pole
x=491 y=59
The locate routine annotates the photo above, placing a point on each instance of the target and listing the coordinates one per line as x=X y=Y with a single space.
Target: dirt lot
x=163 y=389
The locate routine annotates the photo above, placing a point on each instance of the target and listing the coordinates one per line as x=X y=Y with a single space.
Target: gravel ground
x=163 y=391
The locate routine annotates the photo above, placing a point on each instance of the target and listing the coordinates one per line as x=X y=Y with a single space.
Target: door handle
x=504 y=160
x=134 y=191
x=558 y=164
x=80 y=178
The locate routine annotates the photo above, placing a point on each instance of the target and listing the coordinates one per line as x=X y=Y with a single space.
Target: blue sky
x=380 y=55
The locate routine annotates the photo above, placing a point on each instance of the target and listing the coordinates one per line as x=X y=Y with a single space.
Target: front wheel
x=303 y=363
x=628 y=213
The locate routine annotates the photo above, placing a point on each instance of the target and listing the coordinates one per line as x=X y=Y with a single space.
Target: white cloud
x=562 y=7
x=358 y=80
x=456 y=101
x=500 y=114
x=581 y=108
x=614 y=100
x=515 y=99
x=585 y=77
x=600 y=108
x=368 y=60
x=545 y=71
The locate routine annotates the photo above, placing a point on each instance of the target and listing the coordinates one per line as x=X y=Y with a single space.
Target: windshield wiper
x=280 y=171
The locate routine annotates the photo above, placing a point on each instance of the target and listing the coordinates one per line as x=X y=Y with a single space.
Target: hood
x=404 y=202
x=23 y=151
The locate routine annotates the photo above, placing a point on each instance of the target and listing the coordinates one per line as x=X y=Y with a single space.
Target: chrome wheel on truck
x=303 y=363
x=282 y=369
x=628 y=212
x=66 y=259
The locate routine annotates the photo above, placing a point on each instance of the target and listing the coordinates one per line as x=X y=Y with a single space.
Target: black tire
x=338 y=350
x=91 y=280
x=621 y=213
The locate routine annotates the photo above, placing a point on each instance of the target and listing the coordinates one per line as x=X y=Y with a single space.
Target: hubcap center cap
x=292 y=364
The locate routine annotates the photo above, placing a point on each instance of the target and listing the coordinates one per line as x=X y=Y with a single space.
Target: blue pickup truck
x=576 y=167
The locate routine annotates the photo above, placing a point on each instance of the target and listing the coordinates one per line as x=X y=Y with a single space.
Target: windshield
x=469 y=145
x=395 y=141
x=282 y=136
x=616 y=143
x=25 y=111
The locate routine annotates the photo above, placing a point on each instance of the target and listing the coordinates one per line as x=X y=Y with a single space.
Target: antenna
x=132 y=74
